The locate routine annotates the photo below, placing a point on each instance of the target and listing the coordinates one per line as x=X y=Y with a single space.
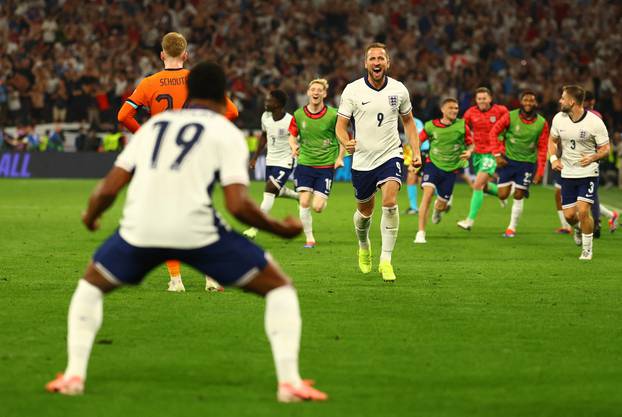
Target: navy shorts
x=278 y=175
x=557 y=178
x=316 y=180
x=578 y=189
x=442 y=181
x=232 y=260
x=367 y=182
x=518 y=173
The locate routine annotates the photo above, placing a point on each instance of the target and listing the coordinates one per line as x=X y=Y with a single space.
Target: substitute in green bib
x=313 y=141
x=450 y=149
x=521 y=154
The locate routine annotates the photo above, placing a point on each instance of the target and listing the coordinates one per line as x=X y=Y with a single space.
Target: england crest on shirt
x=493 y=119
x=583 y=134
x=393 y=101
x=282 y=132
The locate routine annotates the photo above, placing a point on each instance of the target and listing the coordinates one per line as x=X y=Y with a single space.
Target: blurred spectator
x=87 y=141
x=56 y=140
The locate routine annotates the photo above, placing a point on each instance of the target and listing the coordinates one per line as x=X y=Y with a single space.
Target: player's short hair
x=589 y=96
x=483 y=90
x=207 y=80
x=174 y=44
x=527 y=92
x=576 y=92
x=280 y=96
x=322 y=81
x=376 y=45
x=449 y=100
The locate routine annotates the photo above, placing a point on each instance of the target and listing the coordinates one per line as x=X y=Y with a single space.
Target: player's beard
x=529 y=114
x=566 y=109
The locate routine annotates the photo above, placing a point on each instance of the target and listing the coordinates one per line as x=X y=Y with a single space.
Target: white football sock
x=84 y=320
x=288 y=193
x=586 y=241
x=307 y=223
x=517 y=209
x=562 y=219
x=283 y=326
x=389 y=226
x=604 y=211
x=362 y=225
x=267 y=202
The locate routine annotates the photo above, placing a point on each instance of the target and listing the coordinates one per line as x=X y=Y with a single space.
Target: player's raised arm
x=542 y=148
x=341 y=130
x=103 y=196
x=553 y=143
x=126 y=116
x=410 y=129
x=260 y=147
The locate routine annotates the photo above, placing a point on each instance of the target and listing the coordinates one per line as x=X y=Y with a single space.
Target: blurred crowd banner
x=91 y=165
x=55 y=164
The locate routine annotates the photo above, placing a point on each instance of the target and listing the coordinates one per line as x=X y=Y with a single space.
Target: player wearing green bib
x=313 y=141
x=450 y=150
x=525 y=134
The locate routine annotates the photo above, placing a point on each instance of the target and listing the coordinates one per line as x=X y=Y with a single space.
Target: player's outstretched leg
x=389 y=227
x=612 y=217
x=283 y=327
x=266 y=206
x=84 y=320
x=174 y=271
x=289 y=193
x=565 y=226
x=362 y=225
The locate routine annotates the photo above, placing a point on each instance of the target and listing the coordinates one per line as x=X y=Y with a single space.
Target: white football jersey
x=177 y=157
x=375 y=114
x=578 y=139
x=279 y=151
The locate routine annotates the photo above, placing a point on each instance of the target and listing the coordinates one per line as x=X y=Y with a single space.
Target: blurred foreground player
x=181 y=156
x=166 y=90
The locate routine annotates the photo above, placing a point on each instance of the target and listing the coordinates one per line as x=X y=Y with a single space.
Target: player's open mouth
x=377 y=70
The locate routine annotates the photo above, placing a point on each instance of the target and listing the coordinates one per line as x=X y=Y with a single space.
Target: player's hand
x=339 y=163
x=91 y=224
x=557 y=166
x=501 y=161
x=350 y=146
x=586 y=160
x=296 y=151
x=289 y=227
x=411 y=169
x=466 y=155
x=537 y=179
x=416 y=160
x=252 y=163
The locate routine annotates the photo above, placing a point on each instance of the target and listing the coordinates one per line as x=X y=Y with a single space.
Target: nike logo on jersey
x=365 y=102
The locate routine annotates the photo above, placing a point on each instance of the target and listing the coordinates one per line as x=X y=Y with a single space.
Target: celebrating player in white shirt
x=584 y=140
x=279 y=162
x=180 y=156
x=375 y=103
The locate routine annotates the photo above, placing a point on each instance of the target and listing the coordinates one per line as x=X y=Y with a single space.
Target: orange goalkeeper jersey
x=161 y=91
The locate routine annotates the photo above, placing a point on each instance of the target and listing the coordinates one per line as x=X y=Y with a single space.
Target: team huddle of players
x=176 y=158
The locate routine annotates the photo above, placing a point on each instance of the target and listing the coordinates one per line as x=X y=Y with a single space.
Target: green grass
x=476 y=325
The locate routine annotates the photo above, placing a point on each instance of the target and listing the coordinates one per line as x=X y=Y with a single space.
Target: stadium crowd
x=77 y=61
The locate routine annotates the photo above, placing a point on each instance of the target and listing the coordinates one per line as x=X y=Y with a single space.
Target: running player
x=375 y=103
x=162 y=91
x=480 y=118
x=525 y=134
x=279 y=162
x=451 y=147
x=312 y=140
x=181 y=156
x=584 y=140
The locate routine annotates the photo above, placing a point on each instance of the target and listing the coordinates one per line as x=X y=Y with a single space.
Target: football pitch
x=476 y=325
